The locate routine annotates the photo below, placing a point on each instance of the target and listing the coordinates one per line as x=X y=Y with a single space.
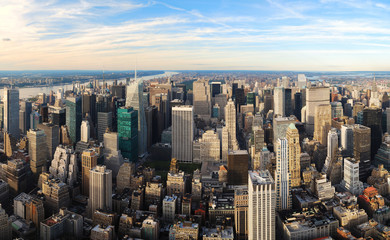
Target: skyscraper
x=261 y=205
x=52 y=133
x=88 y=161
x=85 y=131
x=182 y=132
x=134 y=99
x=104 y=122
x=230 y=118
x=372 y=118
x=24 y=117
x=347 y=140
x=5 y=225
x=302 y=82
x=11 y=111
x=294 y=152
x=351 y=176
x=74 y=117
x=128 y=132
x=202 y=100
x=238 y=167
x=362 y=149
x=314 y=96
x=322 y=122
x=282 y=175
x=38 y=151
x=333 y=144
x=100 y=189
x=298 y=105
x=279 y=98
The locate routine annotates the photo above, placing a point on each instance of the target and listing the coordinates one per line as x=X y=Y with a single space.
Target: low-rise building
x=184 y=230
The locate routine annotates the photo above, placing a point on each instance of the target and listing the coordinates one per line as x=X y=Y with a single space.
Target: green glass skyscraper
x=74 y=117
x=128 y=132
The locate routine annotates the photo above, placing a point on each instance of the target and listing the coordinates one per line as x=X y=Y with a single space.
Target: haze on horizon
x=302 y=35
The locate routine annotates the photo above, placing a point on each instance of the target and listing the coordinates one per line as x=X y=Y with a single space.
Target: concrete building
x=85 y=131
x=282 y=175
x=210 y=146
x=169 y=208
x=56 y=195
x=202 y=99
x=104 y=123
x=333 y=144
x=347 y=140
x=362 y=149
x=65 y=224
x=153 y=193
x=230 y=124
x=112 y=155
x=322 y=122
x=124 y=176
x=176 y=180
x=314 y=96
x=279 y=105
x=349 y=217
x=294 y=155
x=11 y=111
x=218 y=233
x=261 y=205
x=18 y=173
x=241 y=213
x=88 y=162
x=151 y=228
x=38 y=151
x=302 y=81
x=280 y=126
x=337 y=110
x=184 y=230
x=182 y=133
x=351 y=176
x=100 y=189
x=5 y=225
x=64 y=165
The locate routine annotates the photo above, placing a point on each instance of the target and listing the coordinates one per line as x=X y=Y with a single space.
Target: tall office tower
x=322 y=122
x=44 y=111
x=103 y=102
x=285 y=81
x=112 y=155
x=134 y=99
x=35 y=119
x=294 y=152
x=238 y=167
x=202 y=100
x=288 y=110
x=24 y=117
x=302 y=82
x=128 y=132
x=11 y=111
x=280 y=125
x=298 y=105
x=279 y=98
x=215 y=88
x=210 y=146
x=89 y=106
x=152 y=122
x=258 y=138
x=119 y=91
x=351 y=176
x=100 y=189
x=182 y=133
x=347 y=140
x=85 y=131
x=88 y=161
x=58 y=116
x=337 y=109
x=282 y=175
x=221 y=100
x=38 y=151
x=240 y=98
x=116 y=104
x=230 y=119
x=1 y=115
x=52 y=133
x=362 y=149
x=73 y=117
x=372 y=118
x=5 y=225
x=314 y=96
x=104 y=123
x=333 y=145
x=241 y=213
x=261 y=205
x=17 y=173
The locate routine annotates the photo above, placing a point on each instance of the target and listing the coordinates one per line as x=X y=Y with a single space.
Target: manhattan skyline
x=324 y=35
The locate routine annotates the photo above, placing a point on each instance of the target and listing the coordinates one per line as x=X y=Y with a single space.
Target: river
x=28 y=92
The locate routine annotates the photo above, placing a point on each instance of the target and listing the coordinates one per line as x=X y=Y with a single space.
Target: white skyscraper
x=302 y=82
x=182 y=132
x=282 y=175
x=85 y=131
x=100 y=189
x=333 y=144
x=347 y=139
x=261 y=205
x=279 y=101
x=134 y=98
x=230 y=118
x=11 y=111
x=351 y=176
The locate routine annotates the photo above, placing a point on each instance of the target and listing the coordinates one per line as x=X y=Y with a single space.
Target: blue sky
x=254 y=35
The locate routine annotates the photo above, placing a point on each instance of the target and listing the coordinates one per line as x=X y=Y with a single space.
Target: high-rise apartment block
x=314 y=96
x=294 y=154
x=202 y=99
x=351 y=177
x=88 y=162
x=282 y=175
x=100 y=189
x=261 y=205
x=322 y=122
x=182 y=133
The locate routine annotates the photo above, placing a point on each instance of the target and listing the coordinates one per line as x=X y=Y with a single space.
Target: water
x=28 y=92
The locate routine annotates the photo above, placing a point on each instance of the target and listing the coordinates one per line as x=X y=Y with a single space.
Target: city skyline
x=322 y=35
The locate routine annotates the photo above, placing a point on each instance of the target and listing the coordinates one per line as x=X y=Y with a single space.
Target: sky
x=303 y=35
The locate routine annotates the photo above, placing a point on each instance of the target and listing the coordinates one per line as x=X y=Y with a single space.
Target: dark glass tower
x=298 y=105
x=128 y=132
x=74 y=117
